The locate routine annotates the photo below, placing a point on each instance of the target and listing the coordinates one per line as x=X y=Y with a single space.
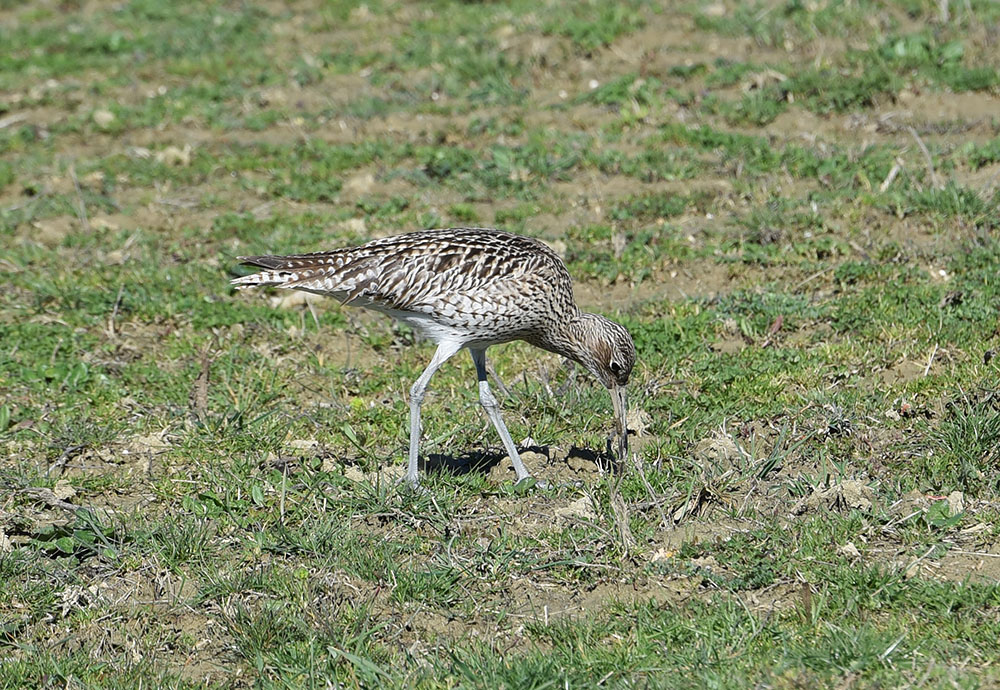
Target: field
x=793 y=205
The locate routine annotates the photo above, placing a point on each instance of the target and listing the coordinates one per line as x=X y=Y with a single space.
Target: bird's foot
x=528 y=483
x=410 y=485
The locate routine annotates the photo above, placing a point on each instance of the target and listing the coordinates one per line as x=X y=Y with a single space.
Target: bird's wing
x=417 y=271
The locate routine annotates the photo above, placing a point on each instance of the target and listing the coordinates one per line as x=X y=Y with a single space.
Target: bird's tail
x=282 y=271
x=326 y=273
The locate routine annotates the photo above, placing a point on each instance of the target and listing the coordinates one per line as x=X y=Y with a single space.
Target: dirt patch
x=551 y=604
x=133 y=457
x=938 y=111
x=555 y=466
x=845 y=496
x=960 y=565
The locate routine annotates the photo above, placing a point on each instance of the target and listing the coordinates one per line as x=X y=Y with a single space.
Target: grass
x=200 y=485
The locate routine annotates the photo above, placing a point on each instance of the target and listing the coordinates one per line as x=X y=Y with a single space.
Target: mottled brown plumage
x=464 y=287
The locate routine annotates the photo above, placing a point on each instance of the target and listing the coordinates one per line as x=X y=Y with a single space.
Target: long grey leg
x=441 y=355
x=492 y=408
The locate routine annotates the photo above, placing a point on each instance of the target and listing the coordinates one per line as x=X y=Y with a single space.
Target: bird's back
x=485 y=285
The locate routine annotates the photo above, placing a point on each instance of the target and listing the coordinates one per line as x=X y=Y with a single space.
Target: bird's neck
x=574 y=339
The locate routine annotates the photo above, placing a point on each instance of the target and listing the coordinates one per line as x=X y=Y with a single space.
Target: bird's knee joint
x=417 y=394
x=487 y=400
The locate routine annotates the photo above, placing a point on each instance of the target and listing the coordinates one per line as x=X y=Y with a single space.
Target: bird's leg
x=441 y=355
x=492 y=408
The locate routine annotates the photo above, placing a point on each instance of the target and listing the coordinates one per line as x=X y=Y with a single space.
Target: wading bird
x=471 y=288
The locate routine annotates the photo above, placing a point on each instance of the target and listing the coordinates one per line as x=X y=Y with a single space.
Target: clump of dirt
x=718 y=453
x=582 y=508
x=554 y=466
x=845 y=496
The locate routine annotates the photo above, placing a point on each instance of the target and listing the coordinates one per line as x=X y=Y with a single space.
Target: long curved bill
x=620 y=403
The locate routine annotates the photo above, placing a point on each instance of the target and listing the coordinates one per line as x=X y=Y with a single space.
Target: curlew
x=465 y=288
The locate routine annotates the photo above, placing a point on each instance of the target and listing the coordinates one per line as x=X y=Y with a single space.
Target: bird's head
x=608 y=352
x=614 y=353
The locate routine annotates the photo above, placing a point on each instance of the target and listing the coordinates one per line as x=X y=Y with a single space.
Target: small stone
x=849 y=550
x=172 y=155
x=103 y=118
x=63 y=490
x=350 y=472
x=580 y=508
x=956 y=503
x=359 y=184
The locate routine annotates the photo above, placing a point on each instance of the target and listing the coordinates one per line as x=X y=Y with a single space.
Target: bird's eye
x=615 y=367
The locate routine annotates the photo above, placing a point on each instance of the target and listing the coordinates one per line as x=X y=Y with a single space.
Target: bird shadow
x=474 y=461
x=483 y=461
